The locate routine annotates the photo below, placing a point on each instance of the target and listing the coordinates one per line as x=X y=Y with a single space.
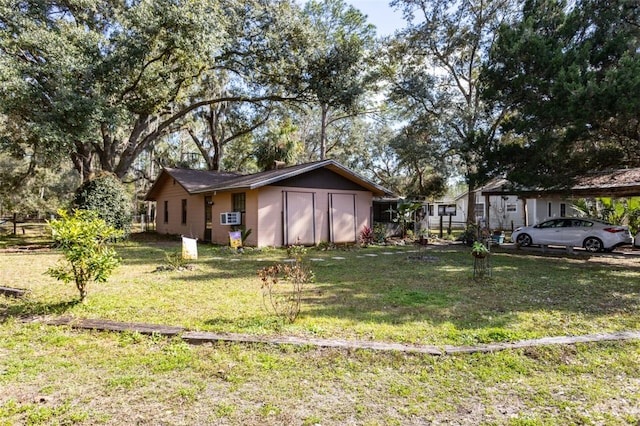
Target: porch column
x=487 y=209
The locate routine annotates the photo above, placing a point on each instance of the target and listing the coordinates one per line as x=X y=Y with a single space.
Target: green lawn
x=55 y=375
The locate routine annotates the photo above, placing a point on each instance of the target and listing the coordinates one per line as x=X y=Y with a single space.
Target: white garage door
x=342 y=218
x=299 y=222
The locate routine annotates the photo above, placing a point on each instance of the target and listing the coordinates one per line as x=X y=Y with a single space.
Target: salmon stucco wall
x=271 y=213
x=174 y=193
x=264 y=214
x=223 y=202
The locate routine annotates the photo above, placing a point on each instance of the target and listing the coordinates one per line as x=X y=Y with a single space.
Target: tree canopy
x=335 y=74
x=540 y=90
x=434 y=70
x=109 y=78
x=569 y=75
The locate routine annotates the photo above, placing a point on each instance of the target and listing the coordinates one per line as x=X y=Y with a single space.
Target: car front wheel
x=524 y=240
x=593 y=244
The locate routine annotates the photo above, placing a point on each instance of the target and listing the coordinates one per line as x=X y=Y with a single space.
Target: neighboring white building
x=502 y=205
x=502 y=210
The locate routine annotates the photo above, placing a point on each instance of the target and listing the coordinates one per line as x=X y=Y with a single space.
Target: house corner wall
x=173 y=194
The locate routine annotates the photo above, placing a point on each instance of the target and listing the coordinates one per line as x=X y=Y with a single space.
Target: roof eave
x=164 y=174
x=330 y=164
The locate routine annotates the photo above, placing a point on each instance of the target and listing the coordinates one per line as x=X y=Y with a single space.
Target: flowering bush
x=366 y=236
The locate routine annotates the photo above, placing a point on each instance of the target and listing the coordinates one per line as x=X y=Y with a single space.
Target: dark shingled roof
x=613 y=179
x=200 y=181
x=192 y=181
x=613 y=183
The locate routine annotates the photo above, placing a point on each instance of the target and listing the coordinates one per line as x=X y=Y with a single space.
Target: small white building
x=496 y=207
x=501 y=205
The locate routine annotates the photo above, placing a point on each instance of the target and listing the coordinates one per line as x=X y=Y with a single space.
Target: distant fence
x=17 y=225
x=143 y=222
x=22 y=225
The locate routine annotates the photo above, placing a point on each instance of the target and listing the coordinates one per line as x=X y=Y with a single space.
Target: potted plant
x=470 y=235
x=479 y=250
x=498 y=236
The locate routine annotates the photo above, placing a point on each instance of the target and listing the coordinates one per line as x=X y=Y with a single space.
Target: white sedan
x=593 y=235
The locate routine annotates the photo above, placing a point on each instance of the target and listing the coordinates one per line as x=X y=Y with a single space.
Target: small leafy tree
x=612 y=210
x=84 y=240
x=406 y=213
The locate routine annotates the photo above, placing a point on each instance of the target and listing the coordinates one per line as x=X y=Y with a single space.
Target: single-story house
x=505 y=209
x=303 y=204
x=452 y=212
x=500 y=204
x=536 y=205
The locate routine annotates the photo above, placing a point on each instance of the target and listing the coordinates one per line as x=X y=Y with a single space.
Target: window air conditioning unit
x=231 y=218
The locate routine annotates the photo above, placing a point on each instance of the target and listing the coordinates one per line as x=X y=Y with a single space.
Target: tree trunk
x=213 y=162
x=471 y=206
x=323 y=131
x=81 y=159
x=82 y=288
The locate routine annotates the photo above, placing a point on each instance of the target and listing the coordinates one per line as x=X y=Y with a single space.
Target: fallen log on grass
x=18 y=293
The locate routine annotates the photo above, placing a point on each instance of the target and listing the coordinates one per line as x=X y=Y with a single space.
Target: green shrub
x=106 y=195
x=379 y=232
x=174 y=260
x=84 y=239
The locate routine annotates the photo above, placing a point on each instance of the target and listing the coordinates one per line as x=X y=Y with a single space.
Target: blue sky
x=380 y=14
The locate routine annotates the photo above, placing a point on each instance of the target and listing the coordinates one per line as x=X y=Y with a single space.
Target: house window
x=239 y=202
x=479 y=210
x=563 y=209
x=166 y=212
x=549 y=210
x=512 y=207
x=431 y=212
x=382 y=212
x=184 y=212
